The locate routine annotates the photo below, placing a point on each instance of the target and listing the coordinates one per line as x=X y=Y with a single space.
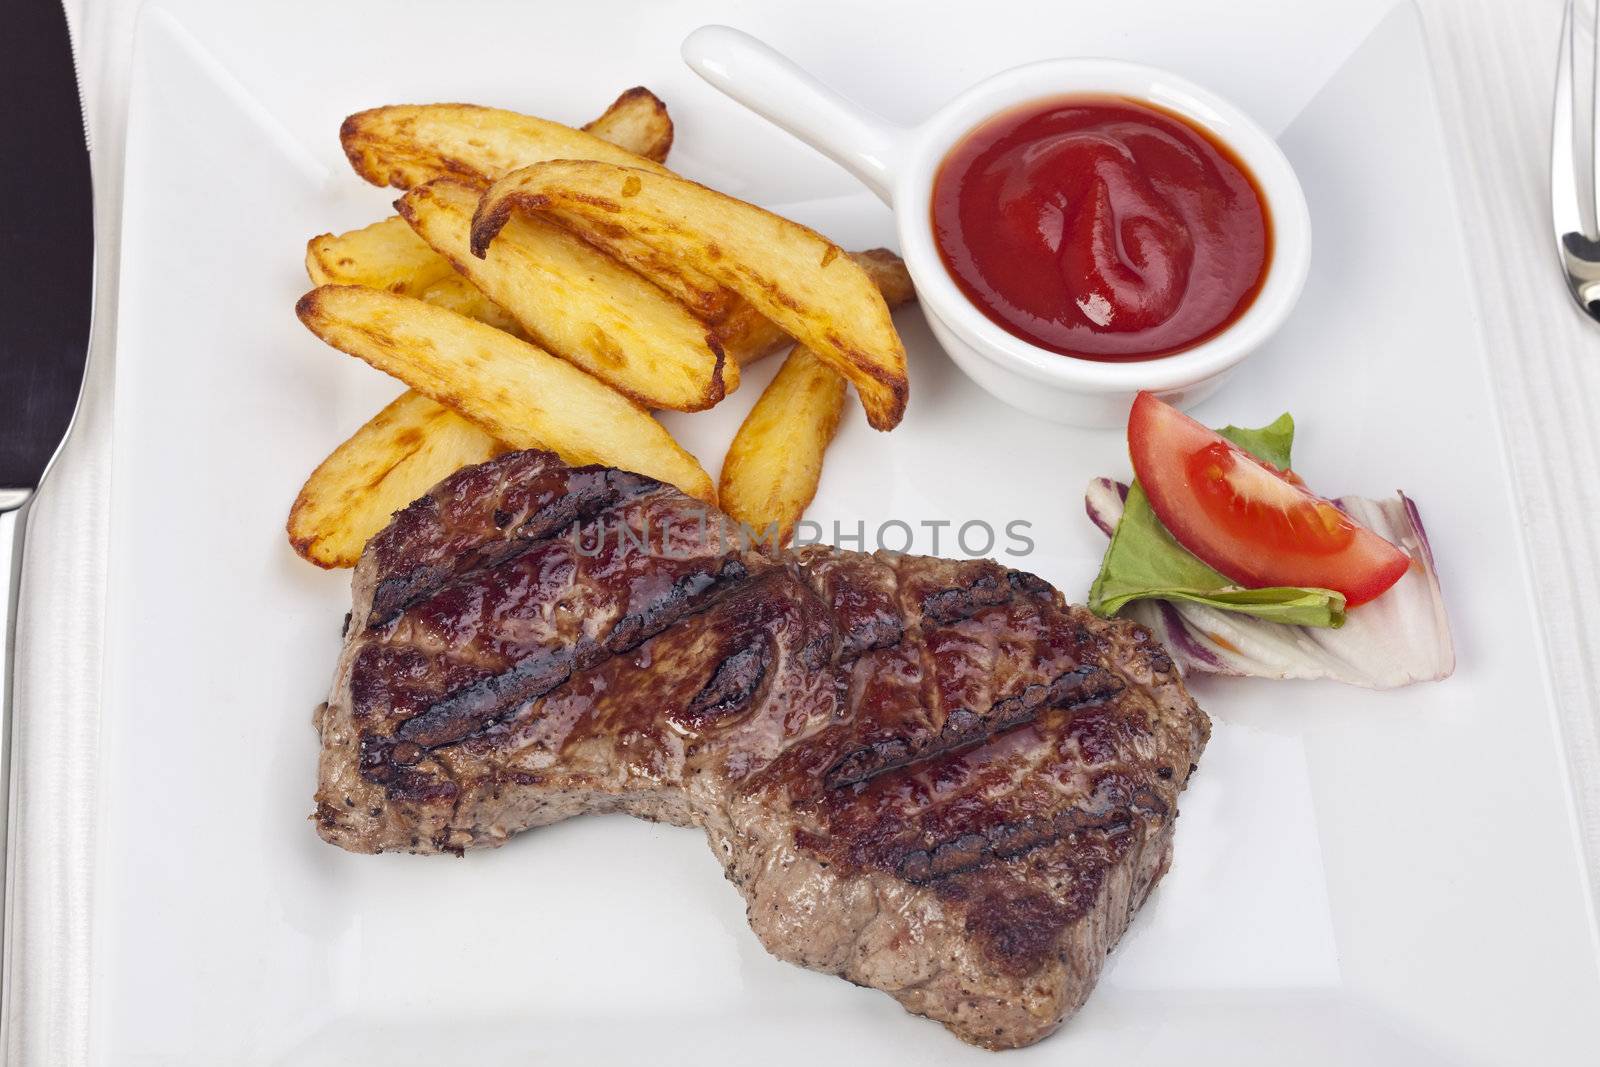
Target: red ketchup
x=1101 y=227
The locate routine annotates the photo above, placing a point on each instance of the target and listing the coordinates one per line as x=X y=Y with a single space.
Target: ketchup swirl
x=1101 y=228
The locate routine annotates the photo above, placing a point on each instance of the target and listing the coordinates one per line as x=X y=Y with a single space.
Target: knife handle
x=13 y=522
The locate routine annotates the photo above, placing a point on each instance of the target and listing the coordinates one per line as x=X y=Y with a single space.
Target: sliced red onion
x=1401 y=637
x=1170 y=627
x=1104 y=502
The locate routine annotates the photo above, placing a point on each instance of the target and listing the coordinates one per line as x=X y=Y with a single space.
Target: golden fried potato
x=385 y=255
x=578 y=303
x=388 y=255
x=455 y=293
x=789 y=273
x=638 y=121
x=888 y=272
x=747 y=335
x=696 y=290
x=415 y=442
x=513 y=390
x=775 y=461
x=405 y=145
x=402 y=452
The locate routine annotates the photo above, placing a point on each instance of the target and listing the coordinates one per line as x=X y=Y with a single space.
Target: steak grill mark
x=1110 y=812
x=1080 y=687
x=470 y=709
x=586 y=496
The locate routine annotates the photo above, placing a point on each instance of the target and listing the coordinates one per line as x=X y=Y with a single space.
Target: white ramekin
x=899 y=164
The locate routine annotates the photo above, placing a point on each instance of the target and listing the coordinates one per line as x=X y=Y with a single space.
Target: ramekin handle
x=770 y=84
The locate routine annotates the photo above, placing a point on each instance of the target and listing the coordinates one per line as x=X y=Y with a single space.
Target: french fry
x=514 y=391
x=789 y=273
x=888 y=272
x=455 y=293
x=638 y=121
x=401 y=453
x=385 y=255
x=388 y=255
x=774 y=464
x=747 y=335
x=414 y=443
x=383 y=466
x=578 y=303
x=405 y=145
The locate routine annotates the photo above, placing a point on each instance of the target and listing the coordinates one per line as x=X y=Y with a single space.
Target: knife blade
x=46 y=242
x=46 y=304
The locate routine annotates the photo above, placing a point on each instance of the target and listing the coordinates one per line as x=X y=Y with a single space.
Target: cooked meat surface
x=928 y=776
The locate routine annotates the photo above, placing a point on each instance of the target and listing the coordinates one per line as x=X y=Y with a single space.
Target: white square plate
x=1361 y=878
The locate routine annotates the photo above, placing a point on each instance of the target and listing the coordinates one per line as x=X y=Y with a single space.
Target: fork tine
x=1566 y=203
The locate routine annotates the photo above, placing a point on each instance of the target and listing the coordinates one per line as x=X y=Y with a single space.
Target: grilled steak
x=928 y=776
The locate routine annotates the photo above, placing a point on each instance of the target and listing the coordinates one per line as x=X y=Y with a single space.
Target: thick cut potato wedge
x=388 y=255
x=888 y=272
x=578 y=303
x=457 y=294
x=385 y=255
x=775 y=461
x=747 y=335
x=638 y=121
x=405 y=145
x=516 y=392
x=707 y=298
x=402 y=452
x=789 y=273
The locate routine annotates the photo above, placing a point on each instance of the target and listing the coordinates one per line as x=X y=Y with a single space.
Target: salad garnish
x=1308 y=587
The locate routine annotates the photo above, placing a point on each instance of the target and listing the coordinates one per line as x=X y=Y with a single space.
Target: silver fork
x=1574 y=193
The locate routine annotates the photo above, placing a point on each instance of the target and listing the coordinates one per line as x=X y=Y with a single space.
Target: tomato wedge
x=1252 y=522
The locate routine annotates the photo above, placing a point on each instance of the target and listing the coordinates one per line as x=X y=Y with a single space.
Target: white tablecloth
x=1494 y=61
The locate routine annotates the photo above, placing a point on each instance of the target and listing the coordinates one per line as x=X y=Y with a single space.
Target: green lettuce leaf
x=1145 y=561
